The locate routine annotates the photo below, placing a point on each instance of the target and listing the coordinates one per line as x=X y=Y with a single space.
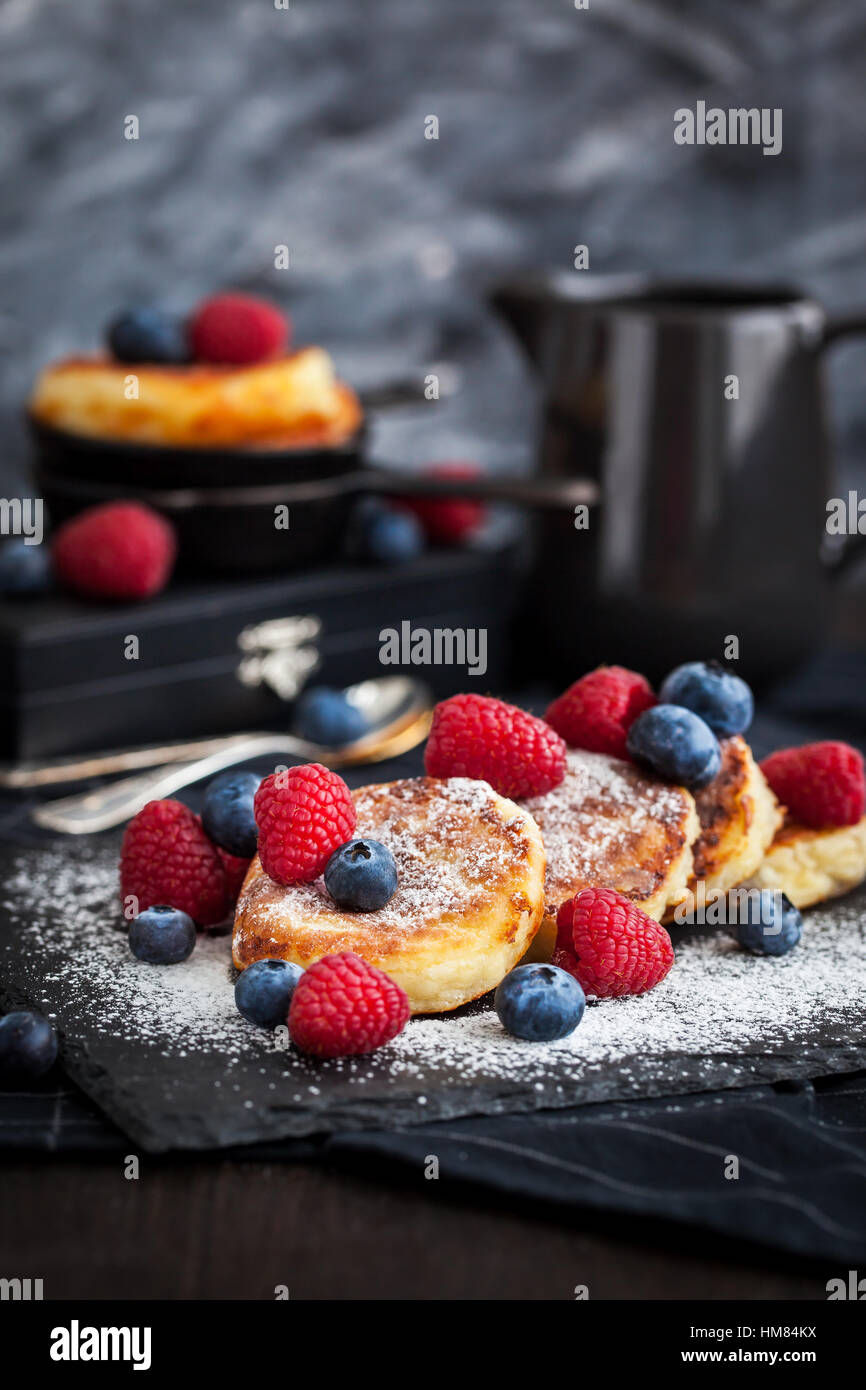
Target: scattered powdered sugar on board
x=164 y=1050
x=71 y=907
x=718 y=1001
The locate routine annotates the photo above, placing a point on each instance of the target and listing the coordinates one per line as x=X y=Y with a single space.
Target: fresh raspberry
x=448 y=520
x=610 y=945
x=303 y=815
x=117 y=550
x=235 y=870
x=237 y=329
x=598 y=710
x=821 y=783
x=477 y=736
x=167 y=859
x=343 y=1005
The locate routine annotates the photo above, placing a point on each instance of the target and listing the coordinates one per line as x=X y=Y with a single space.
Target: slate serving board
x=164 y=1053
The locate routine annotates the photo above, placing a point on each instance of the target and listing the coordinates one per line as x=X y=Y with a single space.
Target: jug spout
x=528 y=307
x=537 y=306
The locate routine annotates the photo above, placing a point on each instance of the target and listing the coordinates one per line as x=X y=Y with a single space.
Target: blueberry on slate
x=325 y=716
x=24 y=569
x=539 y=1003
x=147 y=334
x=227 y=814
x=722 y=700
x=264 y=991
x=28 y=1046
x=676 y=744
x=389 y=536
x=764 y=921
x=361 y=876
x=162 y=935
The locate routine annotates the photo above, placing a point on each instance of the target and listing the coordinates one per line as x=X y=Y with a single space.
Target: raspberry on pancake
x=303 y=815
x=478 y=736
x=821 y=784
x=597 y=711
x=237 y=329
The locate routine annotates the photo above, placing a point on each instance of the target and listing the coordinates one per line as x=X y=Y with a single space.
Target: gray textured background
x=306 y=127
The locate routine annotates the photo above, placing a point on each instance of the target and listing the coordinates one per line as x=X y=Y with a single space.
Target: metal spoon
x=397 y=708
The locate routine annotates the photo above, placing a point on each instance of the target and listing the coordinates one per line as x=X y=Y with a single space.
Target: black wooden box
x=229 y=655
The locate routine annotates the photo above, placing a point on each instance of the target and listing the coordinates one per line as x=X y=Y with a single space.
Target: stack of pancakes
x=611 y=825
x=481 y=877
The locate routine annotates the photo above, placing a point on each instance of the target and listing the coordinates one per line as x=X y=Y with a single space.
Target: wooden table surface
x=227 y=1229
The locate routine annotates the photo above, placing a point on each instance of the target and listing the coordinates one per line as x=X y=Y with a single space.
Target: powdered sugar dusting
x=595 y=825
x=452 y=849
x=720 y=1012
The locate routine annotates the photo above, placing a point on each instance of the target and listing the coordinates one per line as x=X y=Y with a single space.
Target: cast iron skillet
x=222 y=501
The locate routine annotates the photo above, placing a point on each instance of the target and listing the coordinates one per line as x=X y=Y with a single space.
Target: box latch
x=280 y=653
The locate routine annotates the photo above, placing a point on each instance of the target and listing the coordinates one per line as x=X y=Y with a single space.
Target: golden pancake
x=611 y=825
x=469 y=899
x=813 y=865
x=739 y=816
x=293 y=401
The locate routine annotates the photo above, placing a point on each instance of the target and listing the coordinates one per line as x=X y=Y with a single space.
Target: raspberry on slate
x=119 y=550
x=822 y=784
x=477 y=736
x=597 y=711
x=166 y=859
x=343 y=1006
x=610 y=945
x=303 y=815
x=237 y=329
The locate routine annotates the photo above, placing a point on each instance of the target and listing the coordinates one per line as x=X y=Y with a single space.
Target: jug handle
x=845 y=326
x=852 y=548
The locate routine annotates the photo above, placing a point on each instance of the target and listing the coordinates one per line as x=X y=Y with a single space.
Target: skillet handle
x=845 y=326
x=563 y=494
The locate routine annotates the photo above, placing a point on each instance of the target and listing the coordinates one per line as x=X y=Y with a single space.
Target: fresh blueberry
x=264 y=991
x=539 y=1003
x=147 y=334
x=764 y=921
x=676 y=744
x=325 y=716
x=390 y=536
x=361 y=876
x=28 y=1046
x=227 y=814
x=24 y=569
x=722 y=700
x=162 y=935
